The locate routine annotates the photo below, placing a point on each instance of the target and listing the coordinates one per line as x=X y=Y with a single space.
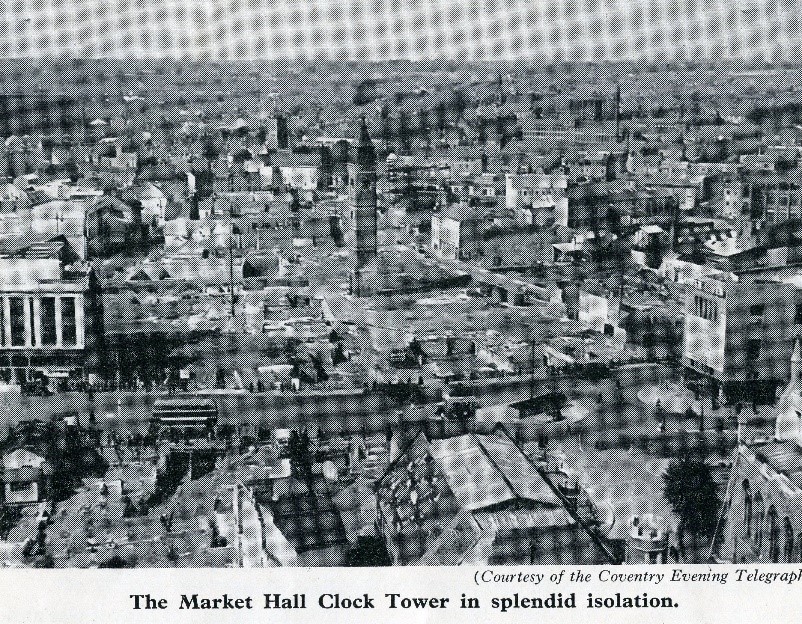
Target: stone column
x=7 y=320
x=59 y=328
x=78 y=302
x=37 y=321
x=26 y=313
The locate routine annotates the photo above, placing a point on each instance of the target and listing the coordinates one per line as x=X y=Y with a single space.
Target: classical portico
x=42 y=319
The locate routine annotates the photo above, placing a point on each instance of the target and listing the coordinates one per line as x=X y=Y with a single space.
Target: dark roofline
x=391 y=466
x=579 y=520
x=495 y=465
x=500 y=428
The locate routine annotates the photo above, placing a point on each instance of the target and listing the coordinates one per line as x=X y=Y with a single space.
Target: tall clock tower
x=362 y=199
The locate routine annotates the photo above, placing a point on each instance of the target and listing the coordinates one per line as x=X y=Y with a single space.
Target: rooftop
x=784 y=457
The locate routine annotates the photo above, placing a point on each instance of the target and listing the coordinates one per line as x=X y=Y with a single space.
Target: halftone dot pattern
x=446 y=492
x=758 y=523
x=357 y=30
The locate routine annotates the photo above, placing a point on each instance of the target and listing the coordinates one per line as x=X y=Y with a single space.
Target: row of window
x=708 y=309
x=763 y=528
x=771 y=200
x=758 y=309
x=705 y=308
x=19 y=320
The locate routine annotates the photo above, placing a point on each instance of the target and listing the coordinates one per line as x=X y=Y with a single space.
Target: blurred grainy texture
x=400 y=283
x=577 y=31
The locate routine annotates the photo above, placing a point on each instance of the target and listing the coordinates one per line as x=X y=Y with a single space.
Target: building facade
x=526 y=192
x=739 y=335
x=769 y=198
x=49 y=322
x=763 y=500
x=457 y=232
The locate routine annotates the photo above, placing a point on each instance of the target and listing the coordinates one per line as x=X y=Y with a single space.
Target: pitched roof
x=486 y=470
x=22 y=457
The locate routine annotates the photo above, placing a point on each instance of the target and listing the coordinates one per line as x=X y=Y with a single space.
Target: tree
x=693 y=495
x=226 y=431
x=9 y=517
x=115 y=562
x=299 y=452
x=176 y=468
x=338 y=356
x=367 y=551
x=458 y=102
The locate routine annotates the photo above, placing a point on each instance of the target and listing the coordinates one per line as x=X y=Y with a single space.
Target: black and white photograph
x=400 y=283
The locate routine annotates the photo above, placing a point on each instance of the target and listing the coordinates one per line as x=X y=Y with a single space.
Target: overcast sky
x=379 y=29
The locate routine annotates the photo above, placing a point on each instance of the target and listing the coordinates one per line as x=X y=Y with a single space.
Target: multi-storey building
x=769 y=198
x=549 y=133
x=457 y=232
x=50 y=322
x=739 y=334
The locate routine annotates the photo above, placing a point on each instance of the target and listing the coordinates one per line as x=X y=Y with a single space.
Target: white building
x=531 y=196
x=25 y=477
x=456 y=232
x=153 y=202
x=43 y=319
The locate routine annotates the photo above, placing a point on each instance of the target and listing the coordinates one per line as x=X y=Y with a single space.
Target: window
x=756 y=310
x=774 y=541
x=705 y=308
x=20 y=486
x=788 y=550
x=69 y=329
x=760 y=510
x=17 y=311
x=798 y=315
x=753 y=349
x=31 y=316
x=48 y=309
x=747 y=521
